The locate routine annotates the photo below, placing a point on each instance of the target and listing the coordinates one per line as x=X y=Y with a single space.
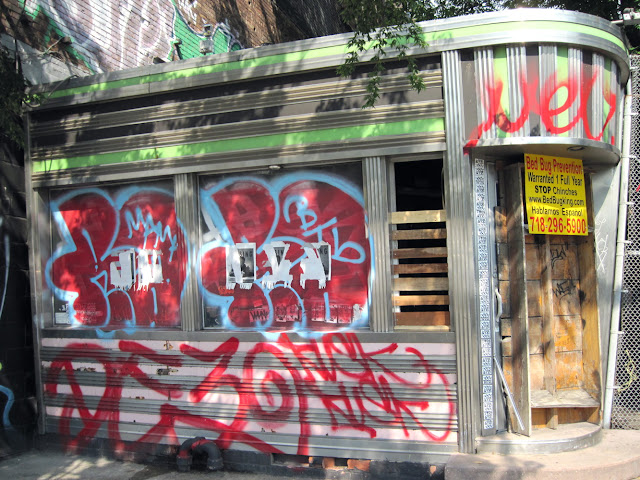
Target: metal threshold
x=565 y=438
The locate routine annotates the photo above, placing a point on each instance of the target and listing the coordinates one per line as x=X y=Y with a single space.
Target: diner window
x=118 y=257
x=284 y=249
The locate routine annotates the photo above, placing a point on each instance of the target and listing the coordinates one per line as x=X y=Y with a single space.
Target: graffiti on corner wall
x=334 y=386
x=109 y=36
x=287 y=252
x=562 y=103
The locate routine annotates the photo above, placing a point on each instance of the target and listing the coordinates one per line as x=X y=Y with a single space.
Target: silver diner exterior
x=231 y=247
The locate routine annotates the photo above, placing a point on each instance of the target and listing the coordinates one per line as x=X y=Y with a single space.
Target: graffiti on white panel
x=110 y=36
x=602 y=243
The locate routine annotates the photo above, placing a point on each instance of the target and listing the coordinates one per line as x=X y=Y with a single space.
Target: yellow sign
x=555 y=195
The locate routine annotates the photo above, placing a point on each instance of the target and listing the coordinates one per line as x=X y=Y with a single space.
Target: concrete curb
x=617 y=457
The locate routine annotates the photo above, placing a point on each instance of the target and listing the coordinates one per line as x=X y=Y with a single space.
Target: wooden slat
x=518 y=299
x=589 y=310
x=420 y=234
x=408 y=300
x=418 y=216
x=413 y=268
x=420 y=284
x=548 y=328
x=432 y=252
x=424 y=328
x=422 y=318
x=577 y=398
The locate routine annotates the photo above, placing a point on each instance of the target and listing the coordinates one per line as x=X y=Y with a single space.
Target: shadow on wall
x=17 y=384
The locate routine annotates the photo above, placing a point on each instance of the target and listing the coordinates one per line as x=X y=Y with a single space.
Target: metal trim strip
x=260 y=143
x=464 y=32
x=376 y=191
x=241 y=101
x=297 y=155
x=248 y=130
x=460 y=242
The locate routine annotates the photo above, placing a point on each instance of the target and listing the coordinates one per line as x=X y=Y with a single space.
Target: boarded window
x=419 y=247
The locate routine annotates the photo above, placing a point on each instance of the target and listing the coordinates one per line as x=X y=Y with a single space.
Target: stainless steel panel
x=461 y=246
x=517 y=68
x=187 y=211
x=376 y=192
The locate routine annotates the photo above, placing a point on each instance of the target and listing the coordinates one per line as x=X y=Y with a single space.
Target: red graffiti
x=274 y=385
x=120 y=263
x=577 y=92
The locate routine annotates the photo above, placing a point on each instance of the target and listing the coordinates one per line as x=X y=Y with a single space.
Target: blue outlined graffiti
x=294 y=224
x=6 y=423
x=128 y=224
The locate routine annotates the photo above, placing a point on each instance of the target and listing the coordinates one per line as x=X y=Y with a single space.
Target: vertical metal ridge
x=375 y=196
x=575 y=76
x=35 y=274
x=597 y=117
x=460 y=243
x=187 y=212
x=547 y=58
x=483 y=64
x=516 y=60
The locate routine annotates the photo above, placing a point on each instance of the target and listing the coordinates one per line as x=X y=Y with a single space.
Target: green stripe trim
x=501 y=73
x=433 y=37
x=248 y=143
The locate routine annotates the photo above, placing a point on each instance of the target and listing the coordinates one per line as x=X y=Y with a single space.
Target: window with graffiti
x=119 y=257
x=285 y=250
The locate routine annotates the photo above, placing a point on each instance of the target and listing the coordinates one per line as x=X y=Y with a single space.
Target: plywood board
x=500 y=222
x=518 y=298
x=418 y=216
x=411 y=300
x=422 y=318
x=420 y=234
x=573 y=398
x=428 y=252
x=534 y=298
x=533 y=261
x=564 y=261
x=576 y=415
x=590 y=316
x=414 y=284
x=566 y=297
x=569 y=372
x=418 y=268
x=535 y=335
x=568 y=333
x=503 y=288
x=536 y=371
x=503 y=261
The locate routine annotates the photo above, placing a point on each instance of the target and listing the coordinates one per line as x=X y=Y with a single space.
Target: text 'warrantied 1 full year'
x=555 y=195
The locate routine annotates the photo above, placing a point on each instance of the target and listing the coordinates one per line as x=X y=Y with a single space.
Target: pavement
x=615 y=457
x=52 y=465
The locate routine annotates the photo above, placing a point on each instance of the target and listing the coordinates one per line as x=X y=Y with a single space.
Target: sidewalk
x=615 y=457
x=49 y=465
